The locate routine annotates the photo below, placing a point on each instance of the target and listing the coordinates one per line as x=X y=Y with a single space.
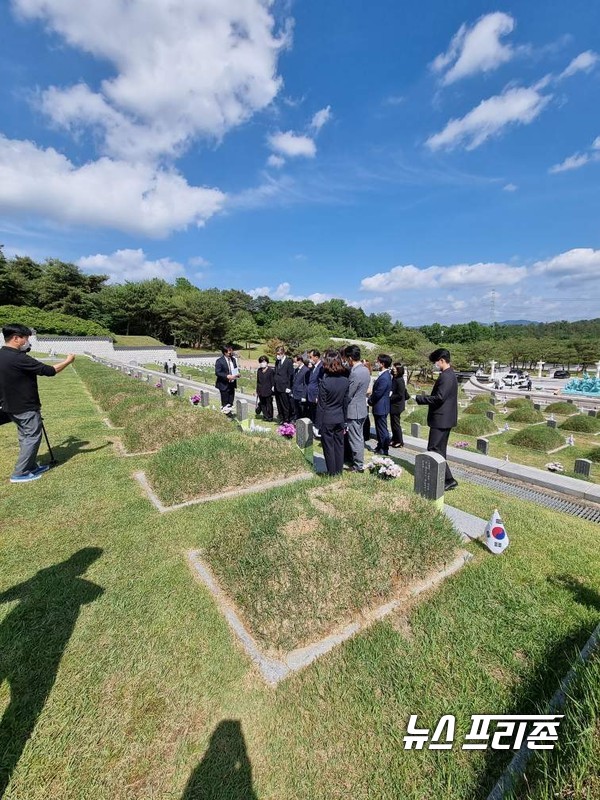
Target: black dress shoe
x=451 y=485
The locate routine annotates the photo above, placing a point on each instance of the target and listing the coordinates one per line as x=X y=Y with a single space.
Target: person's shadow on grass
x=33 y=637
x=225 y=771
x=73 y=446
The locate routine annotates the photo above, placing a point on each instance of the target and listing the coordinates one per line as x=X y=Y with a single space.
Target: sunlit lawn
x=142 y=692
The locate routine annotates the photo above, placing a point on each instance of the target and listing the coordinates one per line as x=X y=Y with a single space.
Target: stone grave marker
x=570 y=401
x=483 y=446
x=241 y=413
x=591 y=413
x=415 y=430
x=204 y=398
x=305 y=438
x=180 y=389
x=583 y=466
x=537 y=406
x=490 y=415
x=493 y=399
x=430 y=475
x=551 y=423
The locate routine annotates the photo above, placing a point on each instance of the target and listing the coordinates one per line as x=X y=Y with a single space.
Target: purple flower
x=287 y=429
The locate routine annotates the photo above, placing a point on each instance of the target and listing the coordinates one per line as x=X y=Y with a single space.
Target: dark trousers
x=396 y=429
x=284 y=406
x=265 y=407
x=300 y=409
x=332 y=439
x=227 y=396
x=311 y=410
x=367 y=428
x=438 y=443
x=383 y=434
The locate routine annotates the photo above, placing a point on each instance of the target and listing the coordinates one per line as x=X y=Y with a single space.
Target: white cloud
x=584 y=62
x=577 y=265
x=183 y=70
x=136 y=198
x=283 y=292
x=198 y=261
x=476 y=49
x=275 y=161
x=510 y=187
x=321 y=118
x=130 y=265
x=394 y=100
x=292 y=144
x=514 y=106
x=409 y=277
x=572 y=162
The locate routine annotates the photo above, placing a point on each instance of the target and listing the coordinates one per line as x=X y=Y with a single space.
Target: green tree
x=244 y=330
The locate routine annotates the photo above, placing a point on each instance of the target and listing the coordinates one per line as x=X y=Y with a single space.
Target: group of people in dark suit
x=335 y=393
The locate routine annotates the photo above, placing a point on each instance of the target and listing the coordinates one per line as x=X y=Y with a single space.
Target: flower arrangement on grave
x=158 y=385
x=555 y=466
x=172 y=390
x=384 y=467
x=287 y=429
x=195 y=399
x=462 y=445
x=570 y=440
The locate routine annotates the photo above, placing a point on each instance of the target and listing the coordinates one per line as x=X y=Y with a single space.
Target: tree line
x=183 y=315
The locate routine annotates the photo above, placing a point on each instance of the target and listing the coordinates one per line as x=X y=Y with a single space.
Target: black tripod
x=53 y=461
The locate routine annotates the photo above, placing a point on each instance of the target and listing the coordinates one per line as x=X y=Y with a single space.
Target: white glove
x=288 y=391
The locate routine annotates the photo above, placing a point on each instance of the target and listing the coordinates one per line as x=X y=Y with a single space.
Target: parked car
x=512 y=379
x=561 y=373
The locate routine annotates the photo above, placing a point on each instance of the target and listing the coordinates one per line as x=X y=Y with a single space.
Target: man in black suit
x=283 y=381
x=442 y=414
x=300 y=386
x=226 y=371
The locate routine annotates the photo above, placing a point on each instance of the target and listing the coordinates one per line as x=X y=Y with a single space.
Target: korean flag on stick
x=496 y=537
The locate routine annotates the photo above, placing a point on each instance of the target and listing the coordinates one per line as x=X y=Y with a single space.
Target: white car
x=514 y=380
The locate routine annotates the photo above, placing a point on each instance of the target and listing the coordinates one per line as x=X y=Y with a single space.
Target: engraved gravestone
x=304 y=433
x=483 y=446
x=241 y=410
x=583 y=466
x=490 y=415
x=415 y=430
x=551 y=423
x=180 y=389
x=204 y=398
x=430 y=474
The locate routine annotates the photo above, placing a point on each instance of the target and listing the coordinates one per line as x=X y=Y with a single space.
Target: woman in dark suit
x=264 y=389
x=331 y=410
x=398 y=400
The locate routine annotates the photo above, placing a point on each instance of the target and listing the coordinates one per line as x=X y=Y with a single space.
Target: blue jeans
x=29 y=433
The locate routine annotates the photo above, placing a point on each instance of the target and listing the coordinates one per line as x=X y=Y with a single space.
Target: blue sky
x=409 y=157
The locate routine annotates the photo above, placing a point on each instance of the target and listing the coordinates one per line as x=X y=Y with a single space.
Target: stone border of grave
x=516 y=768
x=273 y=670
x=141 y=478
x=518 y=472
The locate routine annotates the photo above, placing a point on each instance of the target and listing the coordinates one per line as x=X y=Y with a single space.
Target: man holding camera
x=20 y=399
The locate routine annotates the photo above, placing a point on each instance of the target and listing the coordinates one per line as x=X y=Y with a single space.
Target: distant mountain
x=518 y=322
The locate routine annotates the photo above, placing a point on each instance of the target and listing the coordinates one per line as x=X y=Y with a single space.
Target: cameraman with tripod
x=20 y=399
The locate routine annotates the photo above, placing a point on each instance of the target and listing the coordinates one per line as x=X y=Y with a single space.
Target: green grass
x=150 y=418
x=418 y=414
x=518 y=402
x=475 y=425
x=525 y=414
x=246 y=383
x=218 y=462
x=137 y=341
x=581 y=423
x=297 y=571
x=538 y=437
x=561 y=408
x=143 y=694
x=594 y=455
x=572 y=768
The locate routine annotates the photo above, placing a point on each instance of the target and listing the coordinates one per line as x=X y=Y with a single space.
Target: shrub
x=51 y=322
x=475 y=425
x=478 y=408
x=538 y=437
x=581 y=423
x=525 y=414
x=481 y=400
x=561 y=407
x=518 y=402
x=218 y=462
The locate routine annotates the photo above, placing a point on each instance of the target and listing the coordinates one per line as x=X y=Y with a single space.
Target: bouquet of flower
x=158 y=385
x=195 y=399
x=555 y=466
x=287 y=429
x=172 y=390
x=462 y=445
x=384 y=467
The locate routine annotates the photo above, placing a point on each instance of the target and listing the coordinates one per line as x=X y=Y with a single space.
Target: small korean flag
x=496 y=537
